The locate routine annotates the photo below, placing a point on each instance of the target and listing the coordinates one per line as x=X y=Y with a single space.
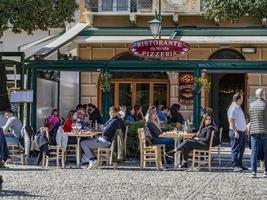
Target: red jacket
x=68 y=125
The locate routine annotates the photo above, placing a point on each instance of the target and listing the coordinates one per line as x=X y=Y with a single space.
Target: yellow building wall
x=89 y=80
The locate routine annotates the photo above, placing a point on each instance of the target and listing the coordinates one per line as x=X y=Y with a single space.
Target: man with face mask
x=258 y=130
x=237 y=131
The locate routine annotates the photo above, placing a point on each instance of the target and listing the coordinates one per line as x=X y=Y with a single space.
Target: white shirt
x=15 y=125
x=235 y=112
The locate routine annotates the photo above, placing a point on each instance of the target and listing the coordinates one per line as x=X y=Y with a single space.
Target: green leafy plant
x=106 y=81
x=133 y=150
x=234 y=9
x=203 y=82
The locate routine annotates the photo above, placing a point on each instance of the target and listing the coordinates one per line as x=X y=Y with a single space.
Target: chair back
x=125 y=140
x=211 y=140
x=141 y=136
x=220 y=136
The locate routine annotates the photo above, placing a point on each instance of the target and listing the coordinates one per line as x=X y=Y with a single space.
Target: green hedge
x=133 y=150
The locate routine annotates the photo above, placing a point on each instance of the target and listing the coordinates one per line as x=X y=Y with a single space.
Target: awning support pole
x=197 y=101
x=33 y=106
x=106 y=99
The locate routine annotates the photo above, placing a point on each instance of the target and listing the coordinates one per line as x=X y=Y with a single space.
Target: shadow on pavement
x=14 y=193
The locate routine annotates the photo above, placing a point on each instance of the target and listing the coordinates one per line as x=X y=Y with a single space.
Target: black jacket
x=177 y=118
x=96 y=116
x=154 y=130
x=204 y=134
x=111 y=126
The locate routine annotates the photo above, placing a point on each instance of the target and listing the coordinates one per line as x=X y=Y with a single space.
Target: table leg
x=78 y=152
x=177 y=155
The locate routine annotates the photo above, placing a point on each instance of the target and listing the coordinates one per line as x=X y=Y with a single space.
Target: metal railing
x=119 y=5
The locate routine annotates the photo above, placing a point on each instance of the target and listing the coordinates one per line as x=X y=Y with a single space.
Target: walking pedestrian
x=258 y=130
x=237 y=131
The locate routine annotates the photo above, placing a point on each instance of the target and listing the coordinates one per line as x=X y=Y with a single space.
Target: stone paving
x=128 y=182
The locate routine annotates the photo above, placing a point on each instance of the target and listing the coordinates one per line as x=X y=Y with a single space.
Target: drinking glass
x=73 y=126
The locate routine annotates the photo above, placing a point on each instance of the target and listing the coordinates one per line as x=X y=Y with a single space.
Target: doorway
x=224 y=86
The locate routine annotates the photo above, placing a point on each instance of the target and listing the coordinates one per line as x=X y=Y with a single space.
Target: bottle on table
x=96 y=125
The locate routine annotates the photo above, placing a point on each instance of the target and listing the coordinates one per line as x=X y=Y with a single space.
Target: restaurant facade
x=111 y=28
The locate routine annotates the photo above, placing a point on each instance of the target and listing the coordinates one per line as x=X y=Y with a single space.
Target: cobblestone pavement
x=128 y=182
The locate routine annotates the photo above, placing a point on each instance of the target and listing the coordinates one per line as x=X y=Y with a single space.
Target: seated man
x=104 y=141
x=14 y=125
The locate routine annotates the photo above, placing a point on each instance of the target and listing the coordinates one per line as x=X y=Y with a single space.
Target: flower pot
x=197 y=88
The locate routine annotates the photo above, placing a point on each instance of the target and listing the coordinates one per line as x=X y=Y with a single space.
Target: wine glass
x=73 y=126
x=78 y=126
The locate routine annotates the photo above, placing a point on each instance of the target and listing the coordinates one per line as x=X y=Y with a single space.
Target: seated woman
x=153 y=126
x=53 y=122
x=130 y=115
x=200 y=141
x=176 y=116
x=70 y=119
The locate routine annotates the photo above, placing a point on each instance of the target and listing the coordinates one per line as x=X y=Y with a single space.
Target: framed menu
x=186 y=81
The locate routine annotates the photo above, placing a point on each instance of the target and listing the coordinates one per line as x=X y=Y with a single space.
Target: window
x=119 y=5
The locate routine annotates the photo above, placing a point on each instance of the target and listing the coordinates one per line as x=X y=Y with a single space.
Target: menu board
x=21 y=96
x=186 y=81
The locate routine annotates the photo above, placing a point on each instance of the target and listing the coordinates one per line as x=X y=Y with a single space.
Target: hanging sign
x=21 y=96
x=186 y=81
x=159 y=48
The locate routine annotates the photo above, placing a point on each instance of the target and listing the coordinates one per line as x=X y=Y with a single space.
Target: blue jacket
x=3 y=146
x=111 y=126
x=130 y=118
x=162 y=116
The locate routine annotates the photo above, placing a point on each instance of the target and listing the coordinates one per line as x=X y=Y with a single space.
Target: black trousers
x=188 y=145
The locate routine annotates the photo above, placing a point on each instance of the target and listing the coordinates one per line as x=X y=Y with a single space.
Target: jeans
x=89 y=145
x=237 y=147
x=167 y=141
x=256 y=141
x=188 y=145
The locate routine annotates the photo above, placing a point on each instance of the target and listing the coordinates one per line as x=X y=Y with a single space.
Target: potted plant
x=106 y=81
x=199 y=83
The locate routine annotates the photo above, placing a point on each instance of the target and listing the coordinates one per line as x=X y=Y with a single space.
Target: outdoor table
x=79 y=135
x=177 y=139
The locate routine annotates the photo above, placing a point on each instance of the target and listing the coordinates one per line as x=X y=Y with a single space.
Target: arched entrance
x=225 y=85
x=140 y=88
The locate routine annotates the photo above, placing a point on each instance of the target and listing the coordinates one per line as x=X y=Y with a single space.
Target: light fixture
x=251 y=50
x=155 y=27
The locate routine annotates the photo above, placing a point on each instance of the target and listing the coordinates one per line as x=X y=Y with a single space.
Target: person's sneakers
x=2 y=164
x=265 y=175
x=244 y=168
x=253 y=175
x=237 y=169
x=183 y=166
x=92 y=164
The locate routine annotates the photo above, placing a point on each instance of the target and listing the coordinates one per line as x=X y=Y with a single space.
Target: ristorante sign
x=159 y=48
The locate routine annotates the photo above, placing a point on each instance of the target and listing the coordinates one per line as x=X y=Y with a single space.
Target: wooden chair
x=15 y=152
x=203 y=156
x=55 y=152
x=148 y=153
x=219 y=146
x=103 y=154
